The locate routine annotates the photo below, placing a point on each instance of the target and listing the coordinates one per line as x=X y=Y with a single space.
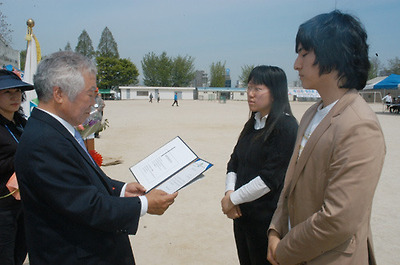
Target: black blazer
x=73 y=211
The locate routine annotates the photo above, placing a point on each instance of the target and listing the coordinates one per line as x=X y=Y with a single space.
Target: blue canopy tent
x=390 y=82
x=375 y=91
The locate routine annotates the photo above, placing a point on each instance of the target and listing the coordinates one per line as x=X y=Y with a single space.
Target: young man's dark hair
x=339 y=43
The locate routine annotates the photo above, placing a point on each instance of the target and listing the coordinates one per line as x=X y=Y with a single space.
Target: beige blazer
x=329 y=189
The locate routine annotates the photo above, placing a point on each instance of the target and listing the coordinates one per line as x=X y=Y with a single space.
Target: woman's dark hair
x=275 y=79
x=339 y=42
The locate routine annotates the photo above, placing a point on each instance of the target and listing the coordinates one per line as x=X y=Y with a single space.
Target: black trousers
x=12 y=237
x=251 y=243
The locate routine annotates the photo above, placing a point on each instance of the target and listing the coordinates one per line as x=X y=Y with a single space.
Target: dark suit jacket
x=73 y=211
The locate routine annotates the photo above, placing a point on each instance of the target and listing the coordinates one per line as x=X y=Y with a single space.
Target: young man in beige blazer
x=323 y=214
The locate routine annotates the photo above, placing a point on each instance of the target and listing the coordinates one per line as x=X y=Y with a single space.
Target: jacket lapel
x=340 y=106
x=44 y=117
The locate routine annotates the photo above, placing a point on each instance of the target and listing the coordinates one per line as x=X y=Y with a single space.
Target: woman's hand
x=234 y=213
x=226 y=202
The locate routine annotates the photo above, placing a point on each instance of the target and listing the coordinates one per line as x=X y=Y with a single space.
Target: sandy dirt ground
x=194 y=230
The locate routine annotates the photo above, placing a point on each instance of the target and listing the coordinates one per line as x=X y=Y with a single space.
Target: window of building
x=142 y=93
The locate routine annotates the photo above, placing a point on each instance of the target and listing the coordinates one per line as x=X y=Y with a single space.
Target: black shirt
x=253 y=157
x=8 y=147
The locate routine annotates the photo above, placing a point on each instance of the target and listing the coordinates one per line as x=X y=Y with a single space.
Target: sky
x=237 y=32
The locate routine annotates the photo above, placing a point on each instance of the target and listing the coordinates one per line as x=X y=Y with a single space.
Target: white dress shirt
x=318 y=117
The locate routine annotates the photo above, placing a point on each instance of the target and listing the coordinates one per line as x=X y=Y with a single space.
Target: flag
x=33 y=56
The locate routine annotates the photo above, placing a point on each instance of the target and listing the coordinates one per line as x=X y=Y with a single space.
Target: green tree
x=157 y=70
x=183 y=71
x=375 y=67
x=22 y=59
x=85 y=46
x=161 y=70
x=165 y=70
x=113 y=72
x=393 y=67
x=244 y=76
x=68 y=47
x=150 y=69
x=217 y=74
x=5 y=31
x=107 y=45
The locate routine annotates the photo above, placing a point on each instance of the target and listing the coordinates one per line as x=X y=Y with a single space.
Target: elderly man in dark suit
x=75 y=213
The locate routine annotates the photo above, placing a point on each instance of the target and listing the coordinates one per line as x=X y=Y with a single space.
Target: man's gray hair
x=62 y=69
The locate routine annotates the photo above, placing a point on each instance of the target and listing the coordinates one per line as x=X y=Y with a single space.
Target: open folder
x=170 y=168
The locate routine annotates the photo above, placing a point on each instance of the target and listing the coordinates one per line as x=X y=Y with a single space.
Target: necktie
x=78 y=137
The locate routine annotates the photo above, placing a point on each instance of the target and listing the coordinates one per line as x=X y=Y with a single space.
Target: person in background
x=394 y=107
x=12 y=122
x=75 y=213
x=175 y=100
x=388 y=100
x=324 y=211
x=99 y=106
x=258 y=164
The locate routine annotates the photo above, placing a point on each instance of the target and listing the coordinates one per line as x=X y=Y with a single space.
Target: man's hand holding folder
x=159 y=201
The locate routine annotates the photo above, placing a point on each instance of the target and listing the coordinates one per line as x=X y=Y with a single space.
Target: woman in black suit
x=12 y=237
x=258 y=164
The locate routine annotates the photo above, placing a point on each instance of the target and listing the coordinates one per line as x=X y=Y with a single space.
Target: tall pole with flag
x=33 y=56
